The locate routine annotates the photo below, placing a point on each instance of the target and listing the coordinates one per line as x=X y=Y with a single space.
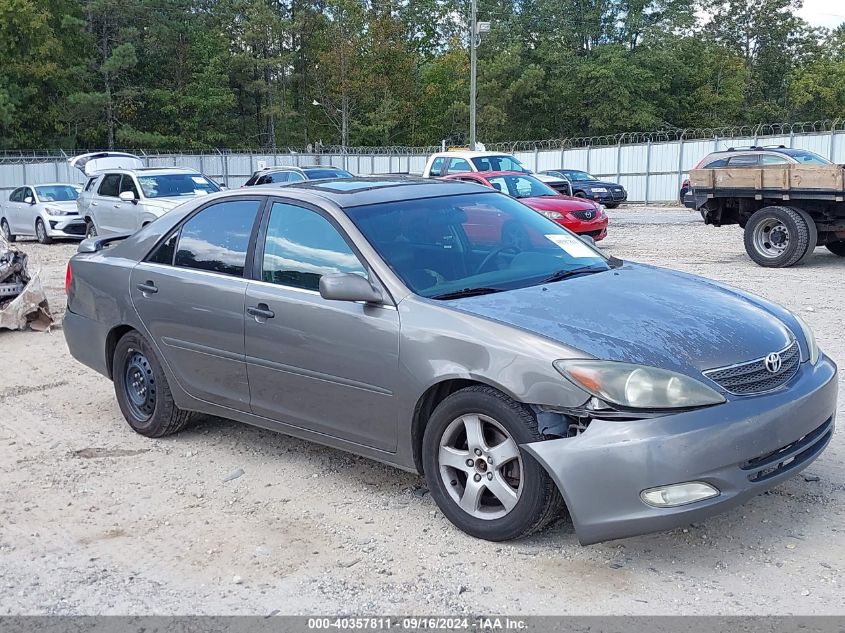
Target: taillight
x=68 y=278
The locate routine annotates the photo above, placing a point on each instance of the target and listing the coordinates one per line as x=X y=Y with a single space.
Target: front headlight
x=553 y=215
x=637 y=386
x=598 y=189
x=54 y=211
x=809 y=337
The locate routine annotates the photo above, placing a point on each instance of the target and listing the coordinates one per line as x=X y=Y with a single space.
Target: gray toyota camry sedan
x=449 y=330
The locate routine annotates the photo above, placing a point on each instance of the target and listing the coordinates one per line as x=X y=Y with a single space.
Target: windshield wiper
x=560 y=275
x=467 y=292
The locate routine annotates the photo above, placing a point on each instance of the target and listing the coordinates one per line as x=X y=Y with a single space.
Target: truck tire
x=813 y=240
x=778 y=237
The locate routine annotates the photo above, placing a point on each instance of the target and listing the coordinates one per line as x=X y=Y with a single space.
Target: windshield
x=57 y=193
x=480 y=241
x=808 y=158
x=521 y=186
x=498 y=163
x=175 y=185
x=574 y=174
x=314 y=174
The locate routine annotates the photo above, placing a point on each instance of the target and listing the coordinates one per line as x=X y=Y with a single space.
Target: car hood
x=596 y=183
x=165 y=203
x=644 y=315
x=67 y=205
x=558 y=203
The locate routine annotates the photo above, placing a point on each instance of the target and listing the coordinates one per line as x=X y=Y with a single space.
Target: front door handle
x=148 y=288
x=261 y=311
x=94 y=204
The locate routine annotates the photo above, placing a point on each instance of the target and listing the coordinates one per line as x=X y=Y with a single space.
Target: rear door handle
x=148 y=287
x=94 y=204
x=261 y=311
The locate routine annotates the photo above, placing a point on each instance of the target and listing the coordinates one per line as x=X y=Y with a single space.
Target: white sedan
x=46 y=212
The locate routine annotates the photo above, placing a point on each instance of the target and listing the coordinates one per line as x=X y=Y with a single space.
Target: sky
x=829 y=13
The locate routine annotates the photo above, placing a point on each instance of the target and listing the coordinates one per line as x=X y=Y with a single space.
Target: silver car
x=387 y=317
x=46 y=212
x=121 y=195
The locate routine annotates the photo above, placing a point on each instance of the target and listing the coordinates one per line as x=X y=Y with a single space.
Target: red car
x=581 y=216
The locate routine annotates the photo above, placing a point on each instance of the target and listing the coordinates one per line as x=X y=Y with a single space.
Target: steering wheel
x=492 y=254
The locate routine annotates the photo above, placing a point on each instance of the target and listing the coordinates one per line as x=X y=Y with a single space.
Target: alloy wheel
x=481 y=466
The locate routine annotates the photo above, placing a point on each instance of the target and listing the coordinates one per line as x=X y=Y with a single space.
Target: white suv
x=121 y=195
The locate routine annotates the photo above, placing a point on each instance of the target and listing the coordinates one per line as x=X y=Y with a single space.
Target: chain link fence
x=650 y=165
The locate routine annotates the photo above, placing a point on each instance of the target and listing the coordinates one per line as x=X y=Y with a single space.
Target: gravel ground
x=95 y=519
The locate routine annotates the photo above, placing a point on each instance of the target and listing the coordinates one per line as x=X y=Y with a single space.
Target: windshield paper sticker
x=199 y=180
x=573 y=246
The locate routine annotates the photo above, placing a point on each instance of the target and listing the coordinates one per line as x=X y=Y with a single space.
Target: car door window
x=301 y=246
x=17 y=196
x=217 y=238
x=743 y=161
x=437 y=166
x=110 y=186
x=771 y=159
x=27 y=193
x=127 y=183
x=458 y=165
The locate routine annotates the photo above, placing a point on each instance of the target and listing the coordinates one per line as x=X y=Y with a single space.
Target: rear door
x=13 y=209
x=327 y=366
x=189 y=294
x=104 y=204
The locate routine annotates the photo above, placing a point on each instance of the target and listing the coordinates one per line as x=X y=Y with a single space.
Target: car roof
x=469 y=154
x=147 y=171
x=359 y=191
x=492 y=173
x=50 y=184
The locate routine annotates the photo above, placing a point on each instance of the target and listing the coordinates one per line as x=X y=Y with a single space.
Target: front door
x=327 y=366
x=126 y=214
x=189 y=294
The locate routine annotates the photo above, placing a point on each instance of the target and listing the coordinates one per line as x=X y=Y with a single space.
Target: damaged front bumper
x=741 y=448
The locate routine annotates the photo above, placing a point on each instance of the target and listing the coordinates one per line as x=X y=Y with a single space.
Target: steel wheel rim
x=480 y=466
x=40 y=231
x=771 y=238
x=6 y=231
x=139 y=386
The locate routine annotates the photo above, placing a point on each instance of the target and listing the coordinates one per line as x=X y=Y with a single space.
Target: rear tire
x=41 y=232
x=837 y=248
x=504 y=494
x=778 y=237
x=580 y=194
x=142 y=391
x=90 y=228
x=7 y=232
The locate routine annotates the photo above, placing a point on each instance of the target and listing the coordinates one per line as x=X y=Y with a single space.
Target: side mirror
x=127 y=196
x=348 y=287
x=29 y=200
x=588 y=239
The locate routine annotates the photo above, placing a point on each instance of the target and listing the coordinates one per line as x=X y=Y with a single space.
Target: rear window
x=217 y=238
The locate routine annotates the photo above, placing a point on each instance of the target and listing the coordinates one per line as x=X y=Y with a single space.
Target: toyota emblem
x=773 y=363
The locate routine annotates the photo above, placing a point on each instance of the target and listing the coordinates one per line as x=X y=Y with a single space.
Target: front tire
x=41 y=232
x=837 y=248
x=476 y=472
x=778 y=237
x=7 y=232
x=142 y=391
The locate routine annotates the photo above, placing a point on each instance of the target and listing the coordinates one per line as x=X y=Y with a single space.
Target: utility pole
x=473 y=38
